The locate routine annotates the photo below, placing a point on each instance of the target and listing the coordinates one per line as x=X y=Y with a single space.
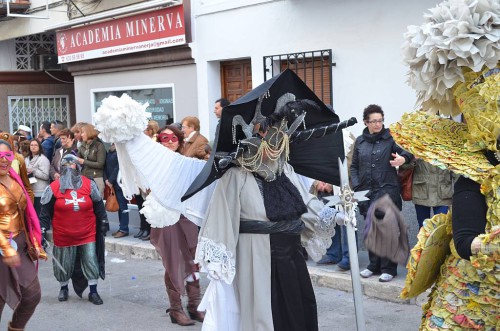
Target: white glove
x=214 y=270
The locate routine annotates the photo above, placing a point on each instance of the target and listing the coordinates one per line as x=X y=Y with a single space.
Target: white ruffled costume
x=147 y=165
x=238 y=264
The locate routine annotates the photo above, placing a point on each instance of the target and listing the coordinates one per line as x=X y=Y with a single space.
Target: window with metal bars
x=313 y=67
x=33 y=110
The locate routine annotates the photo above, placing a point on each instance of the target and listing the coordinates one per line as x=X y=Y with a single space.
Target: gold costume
x=10 y=219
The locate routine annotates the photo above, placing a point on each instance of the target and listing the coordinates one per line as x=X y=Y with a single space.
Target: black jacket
x=111 y=167
x=371 y=170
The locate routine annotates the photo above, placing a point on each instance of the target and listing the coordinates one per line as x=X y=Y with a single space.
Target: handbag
x=111 y=201
x=405 y=176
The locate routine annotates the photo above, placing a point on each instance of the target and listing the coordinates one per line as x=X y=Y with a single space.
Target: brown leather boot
x=177 y=314
x=10 y=328
x=194 y=298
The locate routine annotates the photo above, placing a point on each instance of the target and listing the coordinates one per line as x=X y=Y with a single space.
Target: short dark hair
x=46 y=126
x=372 y=109
x=67 y=133
x=6 y=143
x=223 y=102
x=176 y=131
x=40 y=148
x=58 y=124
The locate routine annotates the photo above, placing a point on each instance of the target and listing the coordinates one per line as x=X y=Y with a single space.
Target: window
x=33 y=110
x=314 y=68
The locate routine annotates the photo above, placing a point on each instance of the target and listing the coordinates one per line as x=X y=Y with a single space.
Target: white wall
x=22 y=26
x=183 y=78
x=7 y=55
x=365 y=37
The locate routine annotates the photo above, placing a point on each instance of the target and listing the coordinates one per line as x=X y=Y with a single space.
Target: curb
x=320 y=276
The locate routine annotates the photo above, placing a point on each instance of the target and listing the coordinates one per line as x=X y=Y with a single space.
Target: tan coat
x=195 y=147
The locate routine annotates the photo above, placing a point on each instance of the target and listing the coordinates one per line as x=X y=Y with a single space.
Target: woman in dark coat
x=373 y=168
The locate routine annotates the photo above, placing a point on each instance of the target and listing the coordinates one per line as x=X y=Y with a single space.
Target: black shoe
x=140 y=234
x=63 y=294
x=145 y=238
x=95 y=299
x=145 y=235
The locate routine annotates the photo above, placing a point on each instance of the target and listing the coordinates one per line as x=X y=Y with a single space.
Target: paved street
x=134 y=299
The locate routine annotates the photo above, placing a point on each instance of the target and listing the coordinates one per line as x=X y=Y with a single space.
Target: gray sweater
x=40 y=166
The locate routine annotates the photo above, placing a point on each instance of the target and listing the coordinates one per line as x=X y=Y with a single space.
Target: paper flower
x=455 y=34
x=120 y=119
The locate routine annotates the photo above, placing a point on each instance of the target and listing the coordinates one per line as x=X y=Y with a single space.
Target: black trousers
x=145 y=226
x=292 y=296
x=381 y=265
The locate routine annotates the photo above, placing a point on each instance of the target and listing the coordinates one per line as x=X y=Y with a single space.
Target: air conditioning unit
x=45 y=62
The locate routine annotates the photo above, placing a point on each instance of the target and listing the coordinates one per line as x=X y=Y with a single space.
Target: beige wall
x=183 y=78
x=32 y=90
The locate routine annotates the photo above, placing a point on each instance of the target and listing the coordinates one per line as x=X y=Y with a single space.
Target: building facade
x=347 y=51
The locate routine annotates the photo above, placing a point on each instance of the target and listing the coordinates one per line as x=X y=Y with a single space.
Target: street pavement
x=135 y=298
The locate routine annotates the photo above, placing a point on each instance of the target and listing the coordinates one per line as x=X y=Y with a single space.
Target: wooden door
x=236 y=78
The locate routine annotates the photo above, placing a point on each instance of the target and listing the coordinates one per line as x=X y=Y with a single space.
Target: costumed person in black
x=458 y=254
x=260 y=213
x=74 y=208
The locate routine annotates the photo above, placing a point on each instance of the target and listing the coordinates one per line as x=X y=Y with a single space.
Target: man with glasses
x=373 y=168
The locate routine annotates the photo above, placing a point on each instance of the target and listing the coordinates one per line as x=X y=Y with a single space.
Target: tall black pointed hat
x=314 y=148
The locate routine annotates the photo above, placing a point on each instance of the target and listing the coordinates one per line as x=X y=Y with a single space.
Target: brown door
x=236 y=78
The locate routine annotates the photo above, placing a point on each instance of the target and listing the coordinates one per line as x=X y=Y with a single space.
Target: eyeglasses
x=375 y=121
x=166 y=137
x=9 y=155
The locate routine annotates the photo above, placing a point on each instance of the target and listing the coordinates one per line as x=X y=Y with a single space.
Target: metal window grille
x=27 y=46
x=33 y=110
x=314 y=68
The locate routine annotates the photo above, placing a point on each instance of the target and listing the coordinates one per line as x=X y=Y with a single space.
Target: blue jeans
x=339 y=249
x=335 y=249
x=123 y=216
x=424 y=212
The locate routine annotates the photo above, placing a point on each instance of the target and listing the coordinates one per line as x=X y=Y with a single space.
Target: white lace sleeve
x=320 y=229
x=216 y=258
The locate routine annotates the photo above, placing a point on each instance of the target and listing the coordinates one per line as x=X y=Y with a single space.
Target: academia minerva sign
x=141 y=32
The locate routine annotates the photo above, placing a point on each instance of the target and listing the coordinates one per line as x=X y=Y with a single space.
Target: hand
x=214 y=270
x=104 y=227
x=80 y=160
x=398 y=160
x=45 y=243
x=57 y=176
x=29 y=170
x=109 y=184
x=12 y=261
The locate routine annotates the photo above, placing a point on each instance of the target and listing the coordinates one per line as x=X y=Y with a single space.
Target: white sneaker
x=366 y=273
x=385 y=278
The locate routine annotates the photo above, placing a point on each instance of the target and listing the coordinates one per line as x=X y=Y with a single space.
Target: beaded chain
x=270 y=151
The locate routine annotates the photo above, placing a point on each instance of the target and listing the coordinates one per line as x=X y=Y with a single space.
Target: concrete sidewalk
x=327 y=276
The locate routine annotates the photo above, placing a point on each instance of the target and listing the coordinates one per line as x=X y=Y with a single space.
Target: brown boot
x=194 y=298
x=177 y=314
x=10 y=328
